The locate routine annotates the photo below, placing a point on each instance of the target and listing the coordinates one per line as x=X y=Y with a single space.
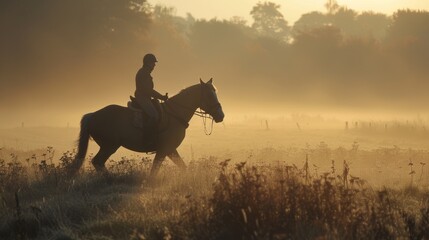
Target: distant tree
x=309 y=21
x=408 y=36
x=372 y=24
x=238 y=20
x=410 y=24
x=78 y=25
x=351 y=24
x=165 y=17
x=332 y=6
x=46 y=35
x=324 y=38
x=344 y=19
x=207 y=33
x=163 y=12
x=269 y=21
x=317 y=49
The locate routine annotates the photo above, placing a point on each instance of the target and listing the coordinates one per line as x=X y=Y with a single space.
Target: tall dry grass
x=212 y=200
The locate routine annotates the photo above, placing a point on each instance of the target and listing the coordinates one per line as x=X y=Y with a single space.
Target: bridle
x=200 y=112
x=206 y=114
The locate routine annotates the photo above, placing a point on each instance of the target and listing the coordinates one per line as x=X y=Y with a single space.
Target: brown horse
x=111 y=127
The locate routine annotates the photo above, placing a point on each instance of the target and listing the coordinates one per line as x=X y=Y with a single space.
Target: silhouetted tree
x=169 y=25
x=408 y=23
x=269 y=21
x=408 y=36
x=332 y=6
x=205 y=36
x=345 y=19
x=79 y=26
x=309 y=21
x=238 y=20
x=352 y=24
x=317 y=49
x=50 y=40
x=372 y=24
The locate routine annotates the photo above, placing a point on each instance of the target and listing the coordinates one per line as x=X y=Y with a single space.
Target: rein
x=198 y=112
x=201 y=113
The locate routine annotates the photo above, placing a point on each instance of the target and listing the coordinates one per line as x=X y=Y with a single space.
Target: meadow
x=256 y=179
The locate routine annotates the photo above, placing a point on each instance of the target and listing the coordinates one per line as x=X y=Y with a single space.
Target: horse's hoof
x=71 y=172
x=100 y=168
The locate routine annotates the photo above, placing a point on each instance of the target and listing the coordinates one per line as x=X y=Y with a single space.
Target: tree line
x=337 y=56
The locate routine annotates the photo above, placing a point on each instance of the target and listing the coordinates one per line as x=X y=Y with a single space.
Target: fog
x=60 y=60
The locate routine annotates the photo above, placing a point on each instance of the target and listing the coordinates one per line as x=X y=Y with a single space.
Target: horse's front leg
x=159 y=158
x=175 y=157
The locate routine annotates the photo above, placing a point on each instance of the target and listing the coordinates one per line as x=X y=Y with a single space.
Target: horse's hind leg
x=101 y=157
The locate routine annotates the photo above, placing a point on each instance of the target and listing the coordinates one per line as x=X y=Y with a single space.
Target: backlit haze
x=325 y=134
x=359 y=59
x=291 y=9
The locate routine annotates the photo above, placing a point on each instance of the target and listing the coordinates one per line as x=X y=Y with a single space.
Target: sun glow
x=291 y=9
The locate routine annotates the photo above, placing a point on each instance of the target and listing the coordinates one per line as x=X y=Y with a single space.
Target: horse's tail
x=82 y=144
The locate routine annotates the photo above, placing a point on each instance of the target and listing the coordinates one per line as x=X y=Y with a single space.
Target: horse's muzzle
x=219 y=115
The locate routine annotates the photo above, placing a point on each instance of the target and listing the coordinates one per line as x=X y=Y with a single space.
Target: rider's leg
x=150 y=125
x=149 y=109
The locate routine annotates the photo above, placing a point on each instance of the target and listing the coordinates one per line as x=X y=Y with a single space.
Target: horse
x=111 y=127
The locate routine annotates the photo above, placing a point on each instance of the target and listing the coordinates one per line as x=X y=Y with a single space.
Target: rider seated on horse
x=145 y=91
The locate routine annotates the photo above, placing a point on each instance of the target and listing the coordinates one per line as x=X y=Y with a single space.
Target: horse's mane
x=194 y=86
x=189 y=88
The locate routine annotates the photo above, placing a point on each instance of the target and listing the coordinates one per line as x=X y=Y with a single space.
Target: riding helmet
x=149 y=58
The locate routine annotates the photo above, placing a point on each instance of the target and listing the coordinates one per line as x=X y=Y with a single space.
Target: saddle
x=140 y=115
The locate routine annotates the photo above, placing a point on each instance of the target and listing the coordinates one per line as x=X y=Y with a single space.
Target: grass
x=213 y=199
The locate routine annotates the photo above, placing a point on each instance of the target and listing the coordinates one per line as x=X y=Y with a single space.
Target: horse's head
x=209 y=102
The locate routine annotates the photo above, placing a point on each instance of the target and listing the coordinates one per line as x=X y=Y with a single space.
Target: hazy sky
x=54 y=77
x=291 y=9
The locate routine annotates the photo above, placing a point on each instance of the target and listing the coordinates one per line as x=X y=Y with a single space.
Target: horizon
x=292 y=10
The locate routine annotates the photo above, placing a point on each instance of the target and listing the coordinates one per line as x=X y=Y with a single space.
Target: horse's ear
x=210 y=81
x=201 y=81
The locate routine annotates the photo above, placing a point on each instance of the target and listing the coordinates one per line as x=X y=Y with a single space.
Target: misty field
x=254 y=181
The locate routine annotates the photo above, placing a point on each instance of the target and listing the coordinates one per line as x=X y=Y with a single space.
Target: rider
x=145 y=89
